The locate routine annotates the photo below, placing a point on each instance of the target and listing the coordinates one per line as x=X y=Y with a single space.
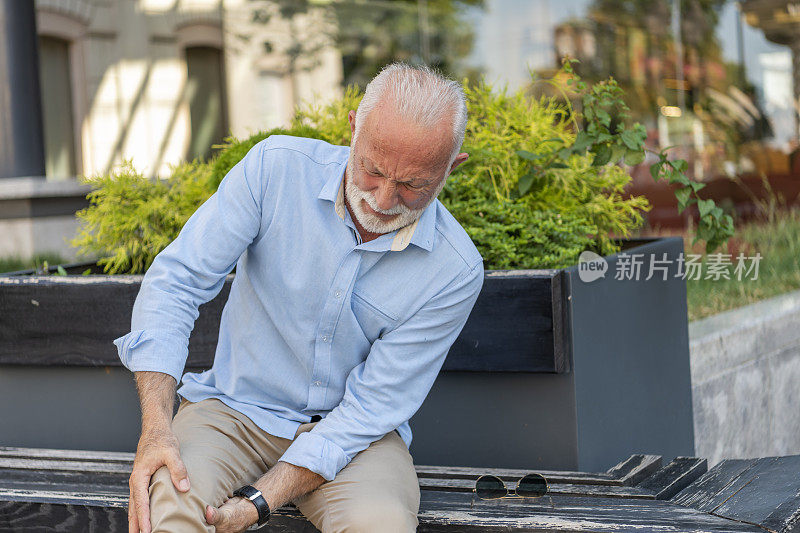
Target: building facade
x=161 y=81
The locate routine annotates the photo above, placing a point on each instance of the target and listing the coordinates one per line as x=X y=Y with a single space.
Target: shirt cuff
x=317 y=454
x=154 y=351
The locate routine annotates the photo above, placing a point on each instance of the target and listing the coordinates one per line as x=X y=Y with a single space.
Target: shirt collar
x=419 y=233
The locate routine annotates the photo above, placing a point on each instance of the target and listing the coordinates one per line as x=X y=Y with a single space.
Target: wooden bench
x=68 y=490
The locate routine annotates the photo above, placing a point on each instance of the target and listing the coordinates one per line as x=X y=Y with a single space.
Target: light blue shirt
x=316 y=321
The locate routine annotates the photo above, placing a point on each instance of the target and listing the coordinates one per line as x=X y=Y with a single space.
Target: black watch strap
x=254 y=495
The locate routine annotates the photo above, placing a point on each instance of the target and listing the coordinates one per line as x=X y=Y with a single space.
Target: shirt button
x=338 y=294
x=317 y=383
x=324 y=338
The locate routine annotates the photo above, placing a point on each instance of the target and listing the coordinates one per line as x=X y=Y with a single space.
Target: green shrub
x=509 y=234
x=536 y=191
x=131 y=218
x=232 y=150
x=330 y=120
x=588 y=198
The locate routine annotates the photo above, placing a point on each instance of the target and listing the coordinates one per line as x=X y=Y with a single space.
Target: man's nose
x=385 y=195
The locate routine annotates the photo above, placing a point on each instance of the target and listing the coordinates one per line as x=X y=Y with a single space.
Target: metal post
x=740 y=45
x=21 y=131
x=676 y=35
x=424 y=31
x=795 y=48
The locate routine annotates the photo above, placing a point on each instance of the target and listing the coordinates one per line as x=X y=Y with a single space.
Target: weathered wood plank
x=40 y=517
x=515 y=326
x=786 y=518
x=674 y=477
x=68 y=466
x=636 y=468
x=704 y=493
x=769 y=495
x=43 y=458
x=63 y=496
x=464 y=485
x=22 y=510
x=451 y=511
x=562 y=322
x=68 y=484
x=51 y=453
x=38 y=475
x=439 y=511
x=509 y=474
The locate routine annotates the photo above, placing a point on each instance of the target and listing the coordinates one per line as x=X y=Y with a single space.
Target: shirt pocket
x=373 y=320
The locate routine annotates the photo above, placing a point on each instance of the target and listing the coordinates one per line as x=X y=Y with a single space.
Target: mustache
x=399 y=209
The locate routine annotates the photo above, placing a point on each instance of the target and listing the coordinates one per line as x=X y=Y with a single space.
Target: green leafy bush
x=536 y=191
x=330 y=120
x=131 y=218
x=232 y=150
x=504 y=133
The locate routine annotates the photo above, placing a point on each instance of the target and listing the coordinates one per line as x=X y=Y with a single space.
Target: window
x=56 y=93
x=207 y=110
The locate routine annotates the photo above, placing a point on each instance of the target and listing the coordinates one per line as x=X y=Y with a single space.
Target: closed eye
x=407 y=184
x=370 y=172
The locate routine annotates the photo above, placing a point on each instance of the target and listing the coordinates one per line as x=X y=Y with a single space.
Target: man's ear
x=460 y=158
x=351 y=117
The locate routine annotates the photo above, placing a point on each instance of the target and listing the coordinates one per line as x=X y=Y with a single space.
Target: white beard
x=372 y=223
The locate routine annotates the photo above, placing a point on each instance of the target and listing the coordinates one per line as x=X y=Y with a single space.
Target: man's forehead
x=409 y=164
x=390 y=137
x=413 y=174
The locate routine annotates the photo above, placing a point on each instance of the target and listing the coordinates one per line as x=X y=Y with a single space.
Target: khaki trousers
x=223 y=449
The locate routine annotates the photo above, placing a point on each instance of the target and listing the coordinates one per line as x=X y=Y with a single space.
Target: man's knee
x=390 y=515
x=171 y=508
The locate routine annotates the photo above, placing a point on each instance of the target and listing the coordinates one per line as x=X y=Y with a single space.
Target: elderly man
x=352 y=282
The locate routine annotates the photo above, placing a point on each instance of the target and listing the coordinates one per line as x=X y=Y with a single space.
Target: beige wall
x=129 y=73
x=26 y=237
x=267 y=88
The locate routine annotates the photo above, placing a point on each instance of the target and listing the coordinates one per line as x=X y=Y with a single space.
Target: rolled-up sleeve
x=390 y=385
x=191 y=270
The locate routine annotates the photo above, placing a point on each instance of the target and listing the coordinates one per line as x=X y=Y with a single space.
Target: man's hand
x=233 y=516
x=157 y=447
x=282 y=483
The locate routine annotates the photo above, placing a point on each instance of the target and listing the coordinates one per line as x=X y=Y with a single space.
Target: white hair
x=420 y=94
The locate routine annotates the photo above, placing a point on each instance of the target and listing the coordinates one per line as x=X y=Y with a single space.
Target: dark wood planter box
x=519 y=323
x=549 y=371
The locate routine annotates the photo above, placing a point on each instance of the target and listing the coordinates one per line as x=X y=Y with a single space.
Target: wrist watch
x=254 y=495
